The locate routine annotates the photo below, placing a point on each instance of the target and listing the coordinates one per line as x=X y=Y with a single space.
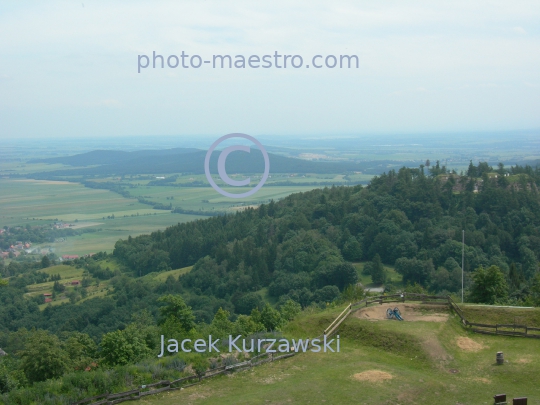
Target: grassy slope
x=69 y=274
x=418 y=355
x=175 y=273
x=485 y=314
x=391 y=275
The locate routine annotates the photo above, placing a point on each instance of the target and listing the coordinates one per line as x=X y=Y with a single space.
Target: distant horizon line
x=301 y=137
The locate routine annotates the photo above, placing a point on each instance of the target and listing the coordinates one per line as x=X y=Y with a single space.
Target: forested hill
x=182 y=160
x=107 y=157
x=300 y=245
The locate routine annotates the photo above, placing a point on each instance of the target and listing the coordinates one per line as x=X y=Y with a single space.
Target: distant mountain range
x=190 y=160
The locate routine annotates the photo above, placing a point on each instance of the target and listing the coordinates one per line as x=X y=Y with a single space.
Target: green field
x=110 y=231
x=207 y=199
x=384 y=362
x=69 y=274
x=39 y=202
x=34 y=201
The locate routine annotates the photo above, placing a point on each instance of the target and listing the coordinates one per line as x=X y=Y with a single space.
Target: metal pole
x=462 y=263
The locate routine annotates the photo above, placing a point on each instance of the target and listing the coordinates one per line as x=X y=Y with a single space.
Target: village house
x=61 y=225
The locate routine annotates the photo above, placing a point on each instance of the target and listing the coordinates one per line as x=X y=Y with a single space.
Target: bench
x=500 y=399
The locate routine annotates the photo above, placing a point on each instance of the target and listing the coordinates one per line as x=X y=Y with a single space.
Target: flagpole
x=462 y=263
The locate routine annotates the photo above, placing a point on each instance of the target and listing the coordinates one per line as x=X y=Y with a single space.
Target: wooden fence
x=507 y=330
x=151 y=389
x=497 y=329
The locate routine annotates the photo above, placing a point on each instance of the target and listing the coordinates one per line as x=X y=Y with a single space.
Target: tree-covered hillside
x=300 y=247
x=192 y=161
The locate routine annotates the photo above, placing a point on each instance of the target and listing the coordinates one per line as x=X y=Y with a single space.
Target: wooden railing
x=495 y=329
x=150 y=389
x=457 y=310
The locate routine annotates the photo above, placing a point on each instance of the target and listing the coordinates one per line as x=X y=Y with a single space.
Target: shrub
x=229 y=360
x=200 y=365
x=175 y=363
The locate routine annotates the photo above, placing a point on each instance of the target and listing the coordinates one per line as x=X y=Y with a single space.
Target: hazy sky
x=69 y=68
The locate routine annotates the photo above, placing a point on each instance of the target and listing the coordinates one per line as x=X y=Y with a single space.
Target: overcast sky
x=69 y=68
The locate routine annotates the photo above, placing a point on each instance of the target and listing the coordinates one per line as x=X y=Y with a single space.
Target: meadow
x=207 y=199
x=381 y=362
x=69 y=274
x=98 y=288
x=111 y=230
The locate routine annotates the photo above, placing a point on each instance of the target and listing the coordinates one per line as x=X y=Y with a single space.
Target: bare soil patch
x=435 y=350
x=373 y=376
x=523 y=360
x=468 y=345
x=409 y=312
x=482 y=380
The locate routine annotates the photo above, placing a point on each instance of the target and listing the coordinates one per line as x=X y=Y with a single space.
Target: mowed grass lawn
x=490 y=315
x=424 y=363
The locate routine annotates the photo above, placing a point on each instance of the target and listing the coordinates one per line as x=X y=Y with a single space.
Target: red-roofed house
x=70 y=257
